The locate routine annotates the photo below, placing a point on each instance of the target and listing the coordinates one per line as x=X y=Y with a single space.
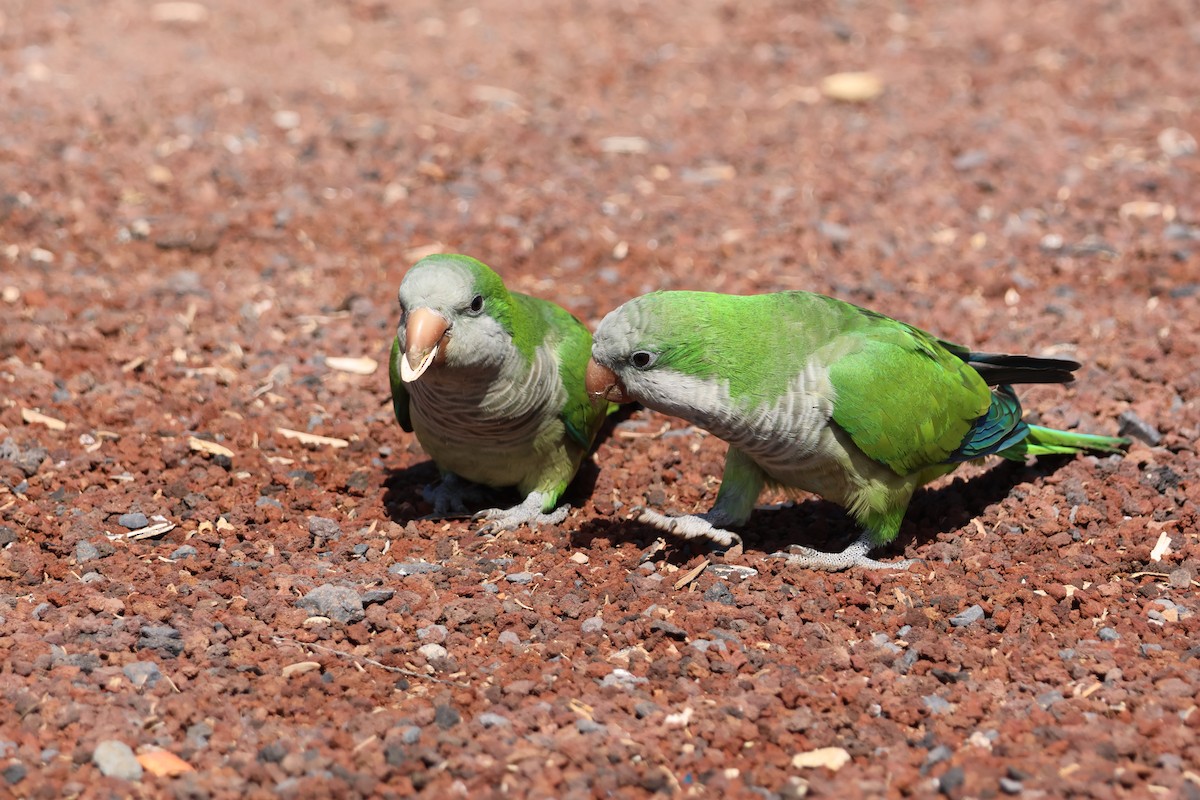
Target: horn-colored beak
x=603 y=382
x=423 y=336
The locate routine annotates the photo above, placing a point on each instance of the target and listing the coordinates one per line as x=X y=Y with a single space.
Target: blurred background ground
x=203 y=206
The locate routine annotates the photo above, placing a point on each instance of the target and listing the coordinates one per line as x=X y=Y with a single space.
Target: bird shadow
x=823 y=525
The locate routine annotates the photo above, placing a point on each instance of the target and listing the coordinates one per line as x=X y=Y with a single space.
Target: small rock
x=263 y=500
x=272 y=753
x=433 y=651
x=1130 y=424
x=719 y=593
x=14 y=773
x=585 y=725
x=85 y=551
x=323 y=528
x=163 y=638
x=133 y=520
x=1047 y=699
x=968 y=616
x=406 y=568
x=27 y=459
x=446 y=717
x=622 y=679
x=1010 y=786
x=142 y=673
x=519 y=577
x=668 y=629
x=1108 y=635
x=410 y=735
x=937 y=705
x=508 y=638
x=432 y=633
x=340 y=603
x=184 y=551
x=592 y=625
x=373 y=596
x=489 y=719
x=951 y=780
x=116 y=760
x=938 y=755
x=1180 y=578
x=40 y=610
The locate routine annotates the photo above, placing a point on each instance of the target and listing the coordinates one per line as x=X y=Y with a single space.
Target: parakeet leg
x=455 y=496
x=528 y=512
x=741 y=484
x=855 y=555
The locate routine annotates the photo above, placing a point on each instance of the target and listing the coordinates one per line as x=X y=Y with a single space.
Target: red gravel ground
x=203 y=206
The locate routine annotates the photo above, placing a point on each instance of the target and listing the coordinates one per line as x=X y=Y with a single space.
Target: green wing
x=906 y=400
x=572 y=344
x=399 y=393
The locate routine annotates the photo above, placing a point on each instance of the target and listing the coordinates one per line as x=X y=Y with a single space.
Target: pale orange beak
x=424 y=334
x=603 y=382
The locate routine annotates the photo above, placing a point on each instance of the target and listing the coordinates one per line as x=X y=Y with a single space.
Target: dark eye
x=477 y=304
x=642 y=359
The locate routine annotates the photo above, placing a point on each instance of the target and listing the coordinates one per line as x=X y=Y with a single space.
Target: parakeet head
x=454 y=311
x=663 y=348
x=642 y=346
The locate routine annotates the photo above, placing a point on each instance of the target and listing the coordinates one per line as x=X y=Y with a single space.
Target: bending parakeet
x=492 y=383
x=816 y=394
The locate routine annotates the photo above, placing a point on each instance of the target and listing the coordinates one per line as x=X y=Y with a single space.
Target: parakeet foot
x=528 y=512
x=455 y=496
x=855 y=555
x=692 y=526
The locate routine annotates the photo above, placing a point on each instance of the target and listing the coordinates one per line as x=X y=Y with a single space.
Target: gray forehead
x=437 y=283
x=617 y=331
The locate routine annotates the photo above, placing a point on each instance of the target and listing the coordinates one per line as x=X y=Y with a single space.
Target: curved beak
x=603 y=382
x=423 y=336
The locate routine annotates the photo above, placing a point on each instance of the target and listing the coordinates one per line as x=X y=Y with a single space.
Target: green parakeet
x=816 y=394
x=492 y=383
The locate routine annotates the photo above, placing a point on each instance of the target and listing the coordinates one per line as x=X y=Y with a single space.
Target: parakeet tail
x=1048 y=441
x=999 y=368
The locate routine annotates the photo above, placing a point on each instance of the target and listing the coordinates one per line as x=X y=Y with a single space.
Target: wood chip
x=163 y=763
x=150 y=531
x=852 y=87
x=179 y=12
x=360 y=365
x=831 y=758
x=36 y=417
x=692 y=574
x=212 y=448
x=299 y=668
x=311 y=438
x=1161 y=547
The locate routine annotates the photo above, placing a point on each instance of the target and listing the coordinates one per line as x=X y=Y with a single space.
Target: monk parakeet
x=492 y=383
x=816 y=394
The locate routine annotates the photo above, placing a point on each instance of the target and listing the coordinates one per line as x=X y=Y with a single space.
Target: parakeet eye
x=643 y=359
x=476 y=304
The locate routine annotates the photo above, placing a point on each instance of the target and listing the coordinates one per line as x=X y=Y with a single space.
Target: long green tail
x=1048 y=441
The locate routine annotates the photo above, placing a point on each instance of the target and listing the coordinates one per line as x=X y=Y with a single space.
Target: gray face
x=619 y=344
x=473 y=337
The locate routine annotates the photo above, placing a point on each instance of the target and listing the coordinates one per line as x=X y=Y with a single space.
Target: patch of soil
x=202 y=205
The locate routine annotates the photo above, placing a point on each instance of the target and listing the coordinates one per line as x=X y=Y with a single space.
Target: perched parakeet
x=816 y=394
x=492 y=383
